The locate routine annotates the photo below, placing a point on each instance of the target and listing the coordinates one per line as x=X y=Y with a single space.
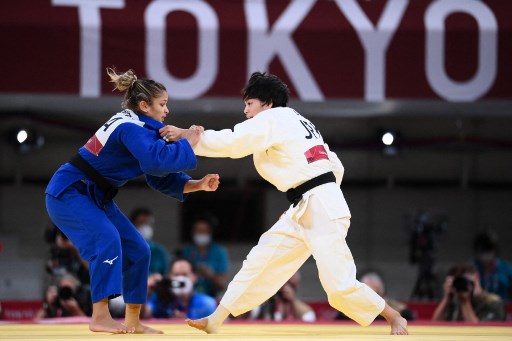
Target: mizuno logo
x=110 y=261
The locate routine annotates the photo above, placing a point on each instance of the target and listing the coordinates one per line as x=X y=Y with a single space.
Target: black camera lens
x=176 y=284
x=462 y=284
x=65 y=293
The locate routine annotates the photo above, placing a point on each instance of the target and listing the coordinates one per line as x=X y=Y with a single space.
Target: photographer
x=64 y=256
x=67 y=298
x=174 y=296
x=285 y=305
x=465 y=300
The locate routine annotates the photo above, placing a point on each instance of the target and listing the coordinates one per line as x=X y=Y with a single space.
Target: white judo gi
x=288 y=150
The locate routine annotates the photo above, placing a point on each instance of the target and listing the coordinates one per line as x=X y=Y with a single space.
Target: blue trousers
x=118 y=256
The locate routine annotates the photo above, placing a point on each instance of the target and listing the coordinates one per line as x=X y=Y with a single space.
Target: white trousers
x=283 y=249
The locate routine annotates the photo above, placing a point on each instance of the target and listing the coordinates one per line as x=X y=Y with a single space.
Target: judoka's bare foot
x=399 y=326
x=202 y=324
x=108 y=325
x=142 y=329
x=397 y=323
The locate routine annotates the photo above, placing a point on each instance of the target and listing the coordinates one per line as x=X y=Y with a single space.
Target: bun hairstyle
x=136 y=89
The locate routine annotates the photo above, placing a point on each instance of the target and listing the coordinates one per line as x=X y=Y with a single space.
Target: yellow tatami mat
x=179 y=332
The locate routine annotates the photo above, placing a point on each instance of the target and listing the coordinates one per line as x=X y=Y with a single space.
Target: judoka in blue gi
x=79 y=196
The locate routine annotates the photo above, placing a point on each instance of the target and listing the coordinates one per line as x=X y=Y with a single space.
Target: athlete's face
x=254 y=106
x=158 y=109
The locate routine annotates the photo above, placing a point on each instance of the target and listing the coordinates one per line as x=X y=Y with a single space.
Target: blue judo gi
x=125 y=147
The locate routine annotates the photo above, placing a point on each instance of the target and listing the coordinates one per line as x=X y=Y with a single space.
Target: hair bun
x=122 y=81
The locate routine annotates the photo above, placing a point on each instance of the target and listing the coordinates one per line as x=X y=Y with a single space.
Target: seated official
x=174 y=295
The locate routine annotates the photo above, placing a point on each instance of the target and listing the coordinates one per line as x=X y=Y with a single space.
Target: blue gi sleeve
x=154 y=155
x=171 y=185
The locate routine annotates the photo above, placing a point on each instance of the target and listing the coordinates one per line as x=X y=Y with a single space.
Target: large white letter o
x=485 y=74
x=208 y=27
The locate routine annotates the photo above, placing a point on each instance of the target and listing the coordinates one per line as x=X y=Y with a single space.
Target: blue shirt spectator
x=497 y=278
x=174 y=296
x=144 y=221
x=199 y=306
x=160 y=257
x=495 y=273
x=209 y=258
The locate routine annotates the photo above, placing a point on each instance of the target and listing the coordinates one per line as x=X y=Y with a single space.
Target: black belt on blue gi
x=110 y=191
x=294 y=195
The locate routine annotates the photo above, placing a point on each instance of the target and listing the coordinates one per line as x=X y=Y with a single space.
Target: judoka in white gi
x=291 y=154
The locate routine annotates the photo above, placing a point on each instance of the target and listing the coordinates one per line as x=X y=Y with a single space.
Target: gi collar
x=149 y=122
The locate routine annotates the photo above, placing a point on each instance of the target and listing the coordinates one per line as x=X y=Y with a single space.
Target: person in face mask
x=144 y=221
x=174 y=295
x=210 y=259
x=495 y=273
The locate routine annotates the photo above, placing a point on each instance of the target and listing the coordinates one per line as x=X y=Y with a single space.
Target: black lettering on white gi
x=110 y=122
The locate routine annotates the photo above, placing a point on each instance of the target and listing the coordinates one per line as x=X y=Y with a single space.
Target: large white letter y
x=375 y=41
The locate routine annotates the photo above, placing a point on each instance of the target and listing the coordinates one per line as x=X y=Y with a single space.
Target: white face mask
x=146 y=231
x=181 y=285
x=202 y=239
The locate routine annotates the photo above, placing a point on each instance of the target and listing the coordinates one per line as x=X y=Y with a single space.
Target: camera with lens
x=65 y=293
x=462 y=284
x=177 y=284
x=168 y=284
x=166 y=287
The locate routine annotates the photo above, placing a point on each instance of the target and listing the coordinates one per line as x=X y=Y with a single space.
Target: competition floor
x=178 y=331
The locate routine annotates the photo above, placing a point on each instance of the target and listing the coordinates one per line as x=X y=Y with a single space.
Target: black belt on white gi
x=294 y=195
x=110 y=191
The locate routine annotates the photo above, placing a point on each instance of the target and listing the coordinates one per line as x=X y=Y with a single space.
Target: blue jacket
x=199 y=306
x=125 y=147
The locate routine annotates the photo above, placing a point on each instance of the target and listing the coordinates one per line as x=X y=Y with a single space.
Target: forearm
x=209 y=183
x=440 y=312
x=246 y=138
x=192 y=186
x=219 y=280
x=468 y=314
x=223 y=143
x=302 y=311
x=75 y=310
x=172 y=133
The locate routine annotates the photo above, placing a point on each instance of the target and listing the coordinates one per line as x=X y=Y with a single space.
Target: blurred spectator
x=376 y=283
x=495 y=273
x=174 y=296
x=67 y=298
x=144 y=221
x=465 y=300
x=284 y=305
x=209 y=258
x=64 y=256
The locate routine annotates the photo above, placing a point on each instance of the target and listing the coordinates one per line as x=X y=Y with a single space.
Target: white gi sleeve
x=336 y=166
x=248 y=137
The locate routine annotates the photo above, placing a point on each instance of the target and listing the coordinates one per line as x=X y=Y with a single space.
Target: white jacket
x=279 y=139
